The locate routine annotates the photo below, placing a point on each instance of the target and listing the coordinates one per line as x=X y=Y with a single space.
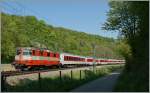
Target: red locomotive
x=35 y=57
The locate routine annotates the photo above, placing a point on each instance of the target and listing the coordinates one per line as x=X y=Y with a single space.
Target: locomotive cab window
x=18 y=52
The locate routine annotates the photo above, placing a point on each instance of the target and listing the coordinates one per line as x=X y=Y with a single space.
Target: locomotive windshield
x=25 y=52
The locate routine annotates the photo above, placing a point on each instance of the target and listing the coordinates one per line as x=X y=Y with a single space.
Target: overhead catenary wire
x=8 y=8
x=31 y=10
x=21 y=10
x=12 y=6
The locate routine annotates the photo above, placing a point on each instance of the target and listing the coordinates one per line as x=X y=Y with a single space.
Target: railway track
x=14 y=73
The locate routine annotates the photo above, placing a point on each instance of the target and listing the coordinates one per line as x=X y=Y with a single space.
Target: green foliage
x=26 y=31
x=123 y=48
x=131 y=19
x=132 y=82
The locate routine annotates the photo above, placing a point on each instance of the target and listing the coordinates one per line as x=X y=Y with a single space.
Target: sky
x=79 y=15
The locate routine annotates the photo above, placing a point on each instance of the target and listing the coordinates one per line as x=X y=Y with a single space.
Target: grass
x=132 y=82
x=54 y=84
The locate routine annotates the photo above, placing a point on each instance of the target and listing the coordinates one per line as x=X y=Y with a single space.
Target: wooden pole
x=39 y=76
x=80 y=74
x=3 y=79
x=85 y=73
x=71 y=74
x=60 y=75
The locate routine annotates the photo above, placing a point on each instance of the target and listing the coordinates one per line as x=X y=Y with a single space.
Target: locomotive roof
x=29 y=48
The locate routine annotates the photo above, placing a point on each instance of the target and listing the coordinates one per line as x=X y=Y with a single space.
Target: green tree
x=131 y=20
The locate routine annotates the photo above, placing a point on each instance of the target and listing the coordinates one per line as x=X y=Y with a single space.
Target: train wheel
x=60 y=66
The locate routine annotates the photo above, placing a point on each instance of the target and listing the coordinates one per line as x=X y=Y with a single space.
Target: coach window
x=68 y=58
x=75 y=59
x=64 y=57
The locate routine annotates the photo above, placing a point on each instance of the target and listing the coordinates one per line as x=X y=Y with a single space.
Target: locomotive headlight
x=16 y=57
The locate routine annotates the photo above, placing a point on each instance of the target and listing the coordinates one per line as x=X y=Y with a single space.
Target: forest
x=28 y=31
x=131 y=19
